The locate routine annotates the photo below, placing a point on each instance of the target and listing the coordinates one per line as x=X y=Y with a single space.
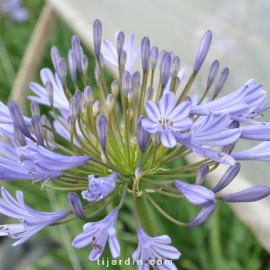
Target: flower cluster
x=102 y=156
x=14 y=10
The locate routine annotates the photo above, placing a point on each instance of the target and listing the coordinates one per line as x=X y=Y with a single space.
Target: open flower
x=167 y=118
x=98 y=233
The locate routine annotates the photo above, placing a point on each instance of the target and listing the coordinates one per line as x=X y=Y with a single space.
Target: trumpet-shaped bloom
x=98 y=233
x=166 y=118
x=31 y=221
x=99 y=187
x=129 y=48
x=153 y=250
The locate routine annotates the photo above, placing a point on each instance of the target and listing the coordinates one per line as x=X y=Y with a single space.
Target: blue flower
x=98 y=233
x=153 y=250
x=167 y=118
x=14 y=9
x=99 y=187
x=31 y=220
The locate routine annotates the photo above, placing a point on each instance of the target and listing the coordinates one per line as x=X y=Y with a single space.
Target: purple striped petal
x=166 y=104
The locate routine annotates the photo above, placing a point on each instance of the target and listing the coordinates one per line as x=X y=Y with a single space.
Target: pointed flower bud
x=201 y=174
x=123 y=60
x=49 y=91
x=248 y=195
x=110 y=102
x=73 y=109
x=96 y=108
x=147 y=96
x=155 y=139
x=72 y=65
x=203 y=215
x=175 y=66
x=221 y=80
x=84 y=63
x=55 y=56
x=227 y=178
x=137 y=81
x=70 y=126
x=131 y=94
x=138 y=173
x=37 y=128
x=88 y=96
x=126 y=83
x=17 y=118
x=19 y=137
x=162 y=54
x=78 y=96
x=77 y=50
x=102 y=129
x=142 y=134
x=165 y=68
x=97 y=36
x=203 y=50
x=35 y=109
x=212 y=73
x=62 y=71
x=120 y=42
x=154 y=57
x=76 y=205
x=195 y=194
x=145 y=52
x=115 y=88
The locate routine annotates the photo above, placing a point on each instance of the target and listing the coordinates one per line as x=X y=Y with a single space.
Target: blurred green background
x=220 y=243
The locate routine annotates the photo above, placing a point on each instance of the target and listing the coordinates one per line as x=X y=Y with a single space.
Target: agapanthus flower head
x=14 y=9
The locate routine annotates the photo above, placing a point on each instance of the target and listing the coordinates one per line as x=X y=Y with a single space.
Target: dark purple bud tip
x=203 y=50
x=142 y=134
x=221 y=80
x=212 y=73
x=102 y=128
x=97 y=36
x=62 y=71
x=17 y=117
x=203 y=215
x=37 y=128
x=126 y=80
x=201 y=175
x=154 y=57
x=249 y=195
x=165 y=68
x=76 y=205
x=227 y=178
x=120 y=42
x=145 y=52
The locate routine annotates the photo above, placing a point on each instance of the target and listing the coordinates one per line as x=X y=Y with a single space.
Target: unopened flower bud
x=154 y=57
x=175 y=66
x=84 y=63
x=115 y=88
x=49 y=91
x=70 y=126
x=76 y=47
x=203 y=50
x=72 y=65
x=131 y=94
x=147 y=96
x=97 y=36
x=102 y=129
x=133 y=141
x=126 y=83
x=76 y=205
x=73 y=109
x=165 y=68
x=201 y=174
x=212 y=73
x=19 y=137
x=37 y=128
x=96 y=108
x=221 y=80
x=78 y=96
x=188 y=99
x=35 y=109
x=138 y=173
x=120 y=43
x=110 y=102
x=18 y=118
x=142 y=134
x=155 y=139
x=88 y=96
x=55 y=149
x=145 y=52
x=123 y=59
x=161 y=55
x=62 y=71
x=55 y=56
x=137 y=81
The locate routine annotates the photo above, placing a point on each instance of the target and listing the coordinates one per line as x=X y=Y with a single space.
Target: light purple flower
x=31 y=220
x=14 y=9
x=99 y=187
x=166 y=118
x=196 y=194
x=260 y=152
x=256 y=132
x=132 y=53
x=98 y=233
x=153 y=250
x=180 y=75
